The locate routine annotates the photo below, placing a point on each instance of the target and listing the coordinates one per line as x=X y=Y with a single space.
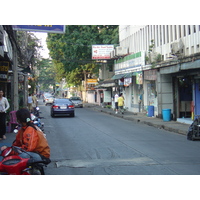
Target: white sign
x=101 y=51
x=127 y=81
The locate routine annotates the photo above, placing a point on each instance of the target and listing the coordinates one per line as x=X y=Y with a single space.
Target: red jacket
x=32 y=140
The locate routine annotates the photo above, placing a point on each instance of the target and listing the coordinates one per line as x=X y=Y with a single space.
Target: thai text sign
x=41 y=28
x=92 y=81
x=101 y=51
x=4 y=67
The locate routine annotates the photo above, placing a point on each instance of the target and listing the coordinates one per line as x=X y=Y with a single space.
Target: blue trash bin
x=150 y=111
x=166 y=114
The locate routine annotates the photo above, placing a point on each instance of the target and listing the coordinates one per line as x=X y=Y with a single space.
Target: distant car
x=62 y=106
x=48 y=99
x=77 y=101
x=45 y=95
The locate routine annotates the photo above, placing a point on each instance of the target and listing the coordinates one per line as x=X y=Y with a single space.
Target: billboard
x=101 y=51
x=40 y=28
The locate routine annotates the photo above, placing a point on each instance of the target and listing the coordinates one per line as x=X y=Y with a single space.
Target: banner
x=41 y=28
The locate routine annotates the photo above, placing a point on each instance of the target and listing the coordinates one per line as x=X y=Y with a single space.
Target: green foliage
x=73 y=49
x=47 y=74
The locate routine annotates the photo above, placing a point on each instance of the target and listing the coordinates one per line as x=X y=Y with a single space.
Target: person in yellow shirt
x=121 y=103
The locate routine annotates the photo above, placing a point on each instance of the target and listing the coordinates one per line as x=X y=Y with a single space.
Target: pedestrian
x=116 y=102
x=4 y=106
x=34 y=104
x=121 y=103
x=30 y=137
x=30 y=103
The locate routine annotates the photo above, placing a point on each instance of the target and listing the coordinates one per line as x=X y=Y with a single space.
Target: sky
x=42 y=37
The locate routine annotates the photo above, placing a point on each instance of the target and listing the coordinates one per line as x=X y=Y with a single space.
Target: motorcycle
x=36 y=111
x=24 y=163
x=37 y=121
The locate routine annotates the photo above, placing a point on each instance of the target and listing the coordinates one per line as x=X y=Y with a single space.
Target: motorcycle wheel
x=36 y=171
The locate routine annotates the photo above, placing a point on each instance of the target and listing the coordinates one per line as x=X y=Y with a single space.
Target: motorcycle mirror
x=15 y=131
x=37 y=108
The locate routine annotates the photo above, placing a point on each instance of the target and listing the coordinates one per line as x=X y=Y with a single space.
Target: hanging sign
x=127 y=81
x=101 y=51
x=4 y=67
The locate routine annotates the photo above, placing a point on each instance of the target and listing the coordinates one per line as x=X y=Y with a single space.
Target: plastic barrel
x=150 y=111
x=166 y=114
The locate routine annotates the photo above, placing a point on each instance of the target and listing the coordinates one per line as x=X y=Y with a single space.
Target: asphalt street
x=97 y=143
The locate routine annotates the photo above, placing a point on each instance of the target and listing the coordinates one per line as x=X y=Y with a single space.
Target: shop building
x=169 y=68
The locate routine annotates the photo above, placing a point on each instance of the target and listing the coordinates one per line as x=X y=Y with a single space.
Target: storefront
x=150 y=89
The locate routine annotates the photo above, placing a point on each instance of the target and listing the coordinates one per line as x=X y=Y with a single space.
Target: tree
x=73 y=49
x=46 y=74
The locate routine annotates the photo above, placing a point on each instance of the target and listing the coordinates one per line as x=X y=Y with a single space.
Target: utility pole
x=15 y=78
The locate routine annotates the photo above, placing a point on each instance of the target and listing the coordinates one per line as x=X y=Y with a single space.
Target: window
x=167 y=32
x=179 y=31
x=189 y=32
x=171 y=34
x=163 y=33
x=157 y=35
x=194 y=28
x=175 y=33
x=184 y=32
x=160 y=35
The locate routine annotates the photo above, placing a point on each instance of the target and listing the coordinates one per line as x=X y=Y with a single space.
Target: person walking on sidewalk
x=121 y=103
x=116 y=102
x=4 y=106
x=30 y=103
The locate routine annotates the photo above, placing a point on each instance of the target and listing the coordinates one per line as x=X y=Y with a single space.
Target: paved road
x=95 y=143
x=100 y=144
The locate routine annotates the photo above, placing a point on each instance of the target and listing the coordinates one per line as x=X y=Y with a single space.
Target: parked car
x=77 y=101
x=48 y=99
x=62 y=106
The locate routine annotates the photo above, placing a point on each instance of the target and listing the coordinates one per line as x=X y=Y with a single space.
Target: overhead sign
x=40 y=28
x=101 y=51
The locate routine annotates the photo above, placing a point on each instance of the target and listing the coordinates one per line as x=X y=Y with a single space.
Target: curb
x=140 y=120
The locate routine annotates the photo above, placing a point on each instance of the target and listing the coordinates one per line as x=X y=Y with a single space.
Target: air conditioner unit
x=177 y=48
x=120 y=51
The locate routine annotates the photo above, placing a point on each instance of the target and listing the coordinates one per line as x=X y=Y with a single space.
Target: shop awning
x=126 y=75
x=118 y=76
x=106 y=83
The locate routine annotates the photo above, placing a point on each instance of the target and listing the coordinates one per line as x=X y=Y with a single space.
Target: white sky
x=42 y=37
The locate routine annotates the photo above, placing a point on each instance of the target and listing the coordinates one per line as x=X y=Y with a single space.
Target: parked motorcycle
x=24 y=163
x=36 y=111
x=37 y=121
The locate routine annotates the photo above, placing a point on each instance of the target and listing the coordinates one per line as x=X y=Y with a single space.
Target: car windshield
x=62 y=101
x=75 y=98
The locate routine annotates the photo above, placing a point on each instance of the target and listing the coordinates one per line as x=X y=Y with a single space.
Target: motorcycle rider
x=30 y=137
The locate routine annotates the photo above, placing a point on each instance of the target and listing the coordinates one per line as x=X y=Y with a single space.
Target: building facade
x=159 y=66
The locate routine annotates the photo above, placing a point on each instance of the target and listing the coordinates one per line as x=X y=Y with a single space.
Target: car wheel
x=52 y=115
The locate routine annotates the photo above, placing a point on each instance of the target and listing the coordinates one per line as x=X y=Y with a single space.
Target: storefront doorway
x=185 y=96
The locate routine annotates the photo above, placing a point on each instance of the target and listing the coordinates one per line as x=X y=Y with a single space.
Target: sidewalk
x=172 y=126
